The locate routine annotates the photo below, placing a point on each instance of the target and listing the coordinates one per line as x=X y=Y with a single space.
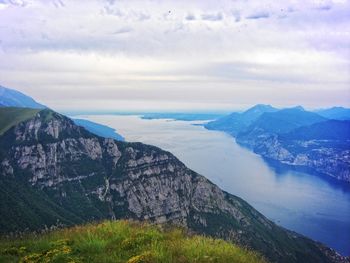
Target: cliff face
x=324 y=156
x=319 y=156
x=53 y=172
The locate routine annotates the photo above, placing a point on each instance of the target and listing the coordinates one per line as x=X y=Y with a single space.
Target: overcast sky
x=176 y=55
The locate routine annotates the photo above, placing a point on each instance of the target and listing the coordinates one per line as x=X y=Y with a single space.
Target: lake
x=298 y=201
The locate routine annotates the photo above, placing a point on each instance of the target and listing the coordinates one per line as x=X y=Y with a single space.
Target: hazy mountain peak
x=14 y=98
x=260 y=107
x=254 y=112
x=236 y=121
x=298 y=107
x=336 y=113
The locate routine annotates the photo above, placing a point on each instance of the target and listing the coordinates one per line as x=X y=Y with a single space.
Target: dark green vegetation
x=99 y=129
x=53 y=172
x=14 y=98
x=294 y=138
x=11 y=116
x=123 y=241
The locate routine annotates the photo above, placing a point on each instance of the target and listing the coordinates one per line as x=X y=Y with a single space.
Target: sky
x=176 y=55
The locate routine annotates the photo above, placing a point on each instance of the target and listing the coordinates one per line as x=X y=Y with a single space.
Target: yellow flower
x=145 y=257
x=66 y=249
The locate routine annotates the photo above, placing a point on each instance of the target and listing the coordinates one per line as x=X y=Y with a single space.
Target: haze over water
x=298 y=201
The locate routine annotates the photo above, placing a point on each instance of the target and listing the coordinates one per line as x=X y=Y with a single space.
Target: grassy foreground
x=122 y=241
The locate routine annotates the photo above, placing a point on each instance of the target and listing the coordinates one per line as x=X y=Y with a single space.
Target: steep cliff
x=53 y=172
x=322 y=148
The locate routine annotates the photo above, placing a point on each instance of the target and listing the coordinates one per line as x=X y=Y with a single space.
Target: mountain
x=326 y=130
x=277 y=122
x=236 y=122
x=14 y=98
x=336 y=113
x=99 y=129
x=301 y=140
x=53 y=172
x=123 y=241
x=321 y=148
x=293 y=137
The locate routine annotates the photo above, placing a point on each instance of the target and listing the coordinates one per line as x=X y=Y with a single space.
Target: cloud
x=258 y=15
x=111 y=2
x=137 y=49
x=58 y=3
x=3 y=5
x=190 y=17
x=324 y=8
x=123 y=30
x=113 y=11
x=237 y=16
x=212 y=16
x=21 y=3
x=142 y=16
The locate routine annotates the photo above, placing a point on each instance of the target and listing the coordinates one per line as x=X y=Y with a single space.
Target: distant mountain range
x=294 y=137
x=14 y=98
x=236 y=122
x=278 y=122
x=335 y=113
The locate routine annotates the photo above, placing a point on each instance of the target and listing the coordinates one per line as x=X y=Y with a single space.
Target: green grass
x=11 y=116
x=122 y=241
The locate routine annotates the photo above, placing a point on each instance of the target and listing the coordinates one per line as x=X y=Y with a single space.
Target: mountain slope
x=327 y=130
x=11 y=116
x=14 y=98
x=99 y=129
x=322 y=148
x=82 y=177
x=236 y=122
x=335 y=113
x=301 y=140
x=278 y=122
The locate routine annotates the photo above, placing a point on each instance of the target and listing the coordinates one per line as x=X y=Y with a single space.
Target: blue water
x=301 y=202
